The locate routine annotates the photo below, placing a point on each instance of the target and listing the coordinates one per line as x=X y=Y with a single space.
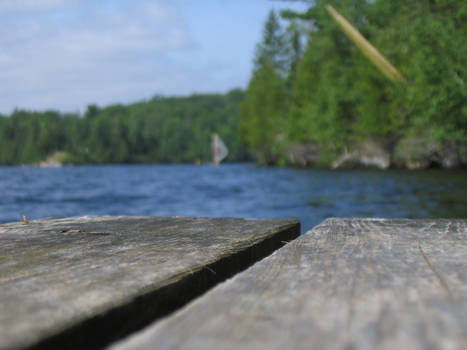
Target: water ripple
x=232 y=190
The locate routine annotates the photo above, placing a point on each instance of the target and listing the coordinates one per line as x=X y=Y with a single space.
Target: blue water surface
x=230 y=190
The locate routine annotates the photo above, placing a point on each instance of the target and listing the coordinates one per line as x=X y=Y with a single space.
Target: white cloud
x=65 y=54
x=146 y=28
x=97 y=56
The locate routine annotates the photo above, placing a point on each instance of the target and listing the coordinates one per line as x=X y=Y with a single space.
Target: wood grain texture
x=83 y=282
x=346 y=284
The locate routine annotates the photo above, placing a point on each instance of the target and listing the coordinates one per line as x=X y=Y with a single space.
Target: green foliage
x=437 y=94
x=164 y=130
x=323 y=108
x=272 y=50
x=327 y=94
x=335 y=98
x=264 y=109
x=263 y=113
x=25 y=137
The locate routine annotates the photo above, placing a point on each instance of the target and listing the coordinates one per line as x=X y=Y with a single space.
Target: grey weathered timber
x=84 y=282
x=346 y=284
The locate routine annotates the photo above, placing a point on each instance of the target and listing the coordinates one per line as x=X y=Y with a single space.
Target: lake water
x=230 y=190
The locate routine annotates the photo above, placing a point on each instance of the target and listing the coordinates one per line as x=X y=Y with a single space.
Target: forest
x=313 y=99
x=162 y=130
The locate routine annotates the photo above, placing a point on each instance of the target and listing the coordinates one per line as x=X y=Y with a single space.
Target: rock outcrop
x=424 y=152
x=369 y=153
x=303 y=154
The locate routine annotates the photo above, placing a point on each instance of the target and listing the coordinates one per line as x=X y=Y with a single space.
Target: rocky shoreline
x=407 y=153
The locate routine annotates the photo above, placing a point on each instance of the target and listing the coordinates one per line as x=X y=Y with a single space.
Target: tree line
x=161 y=130
x=315 y=99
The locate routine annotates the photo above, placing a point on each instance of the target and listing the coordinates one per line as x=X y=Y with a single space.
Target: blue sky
x=66 y=54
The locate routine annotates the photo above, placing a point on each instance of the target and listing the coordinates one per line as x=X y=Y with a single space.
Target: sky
x=67 y=54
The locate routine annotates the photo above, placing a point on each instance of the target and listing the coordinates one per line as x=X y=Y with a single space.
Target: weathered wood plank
x=83 y=282
x=347 y=284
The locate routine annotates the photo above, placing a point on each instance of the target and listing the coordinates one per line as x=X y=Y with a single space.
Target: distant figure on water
x=219 y=151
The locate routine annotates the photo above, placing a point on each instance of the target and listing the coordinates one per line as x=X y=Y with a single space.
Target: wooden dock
x=347 y=284
x=86 y=283
x=81 y=283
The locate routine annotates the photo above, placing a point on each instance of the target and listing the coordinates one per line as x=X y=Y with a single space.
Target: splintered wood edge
x=106 y=326
x=340 y=286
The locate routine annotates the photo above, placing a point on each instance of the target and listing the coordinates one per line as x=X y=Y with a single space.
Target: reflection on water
x=235 y=190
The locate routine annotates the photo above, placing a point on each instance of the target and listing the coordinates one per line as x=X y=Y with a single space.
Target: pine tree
x=262 y=121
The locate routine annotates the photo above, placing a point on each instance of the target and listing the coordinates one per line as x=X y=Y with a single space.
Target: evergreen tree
x=322 y=109
x=264 y=107
x=341 y=99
